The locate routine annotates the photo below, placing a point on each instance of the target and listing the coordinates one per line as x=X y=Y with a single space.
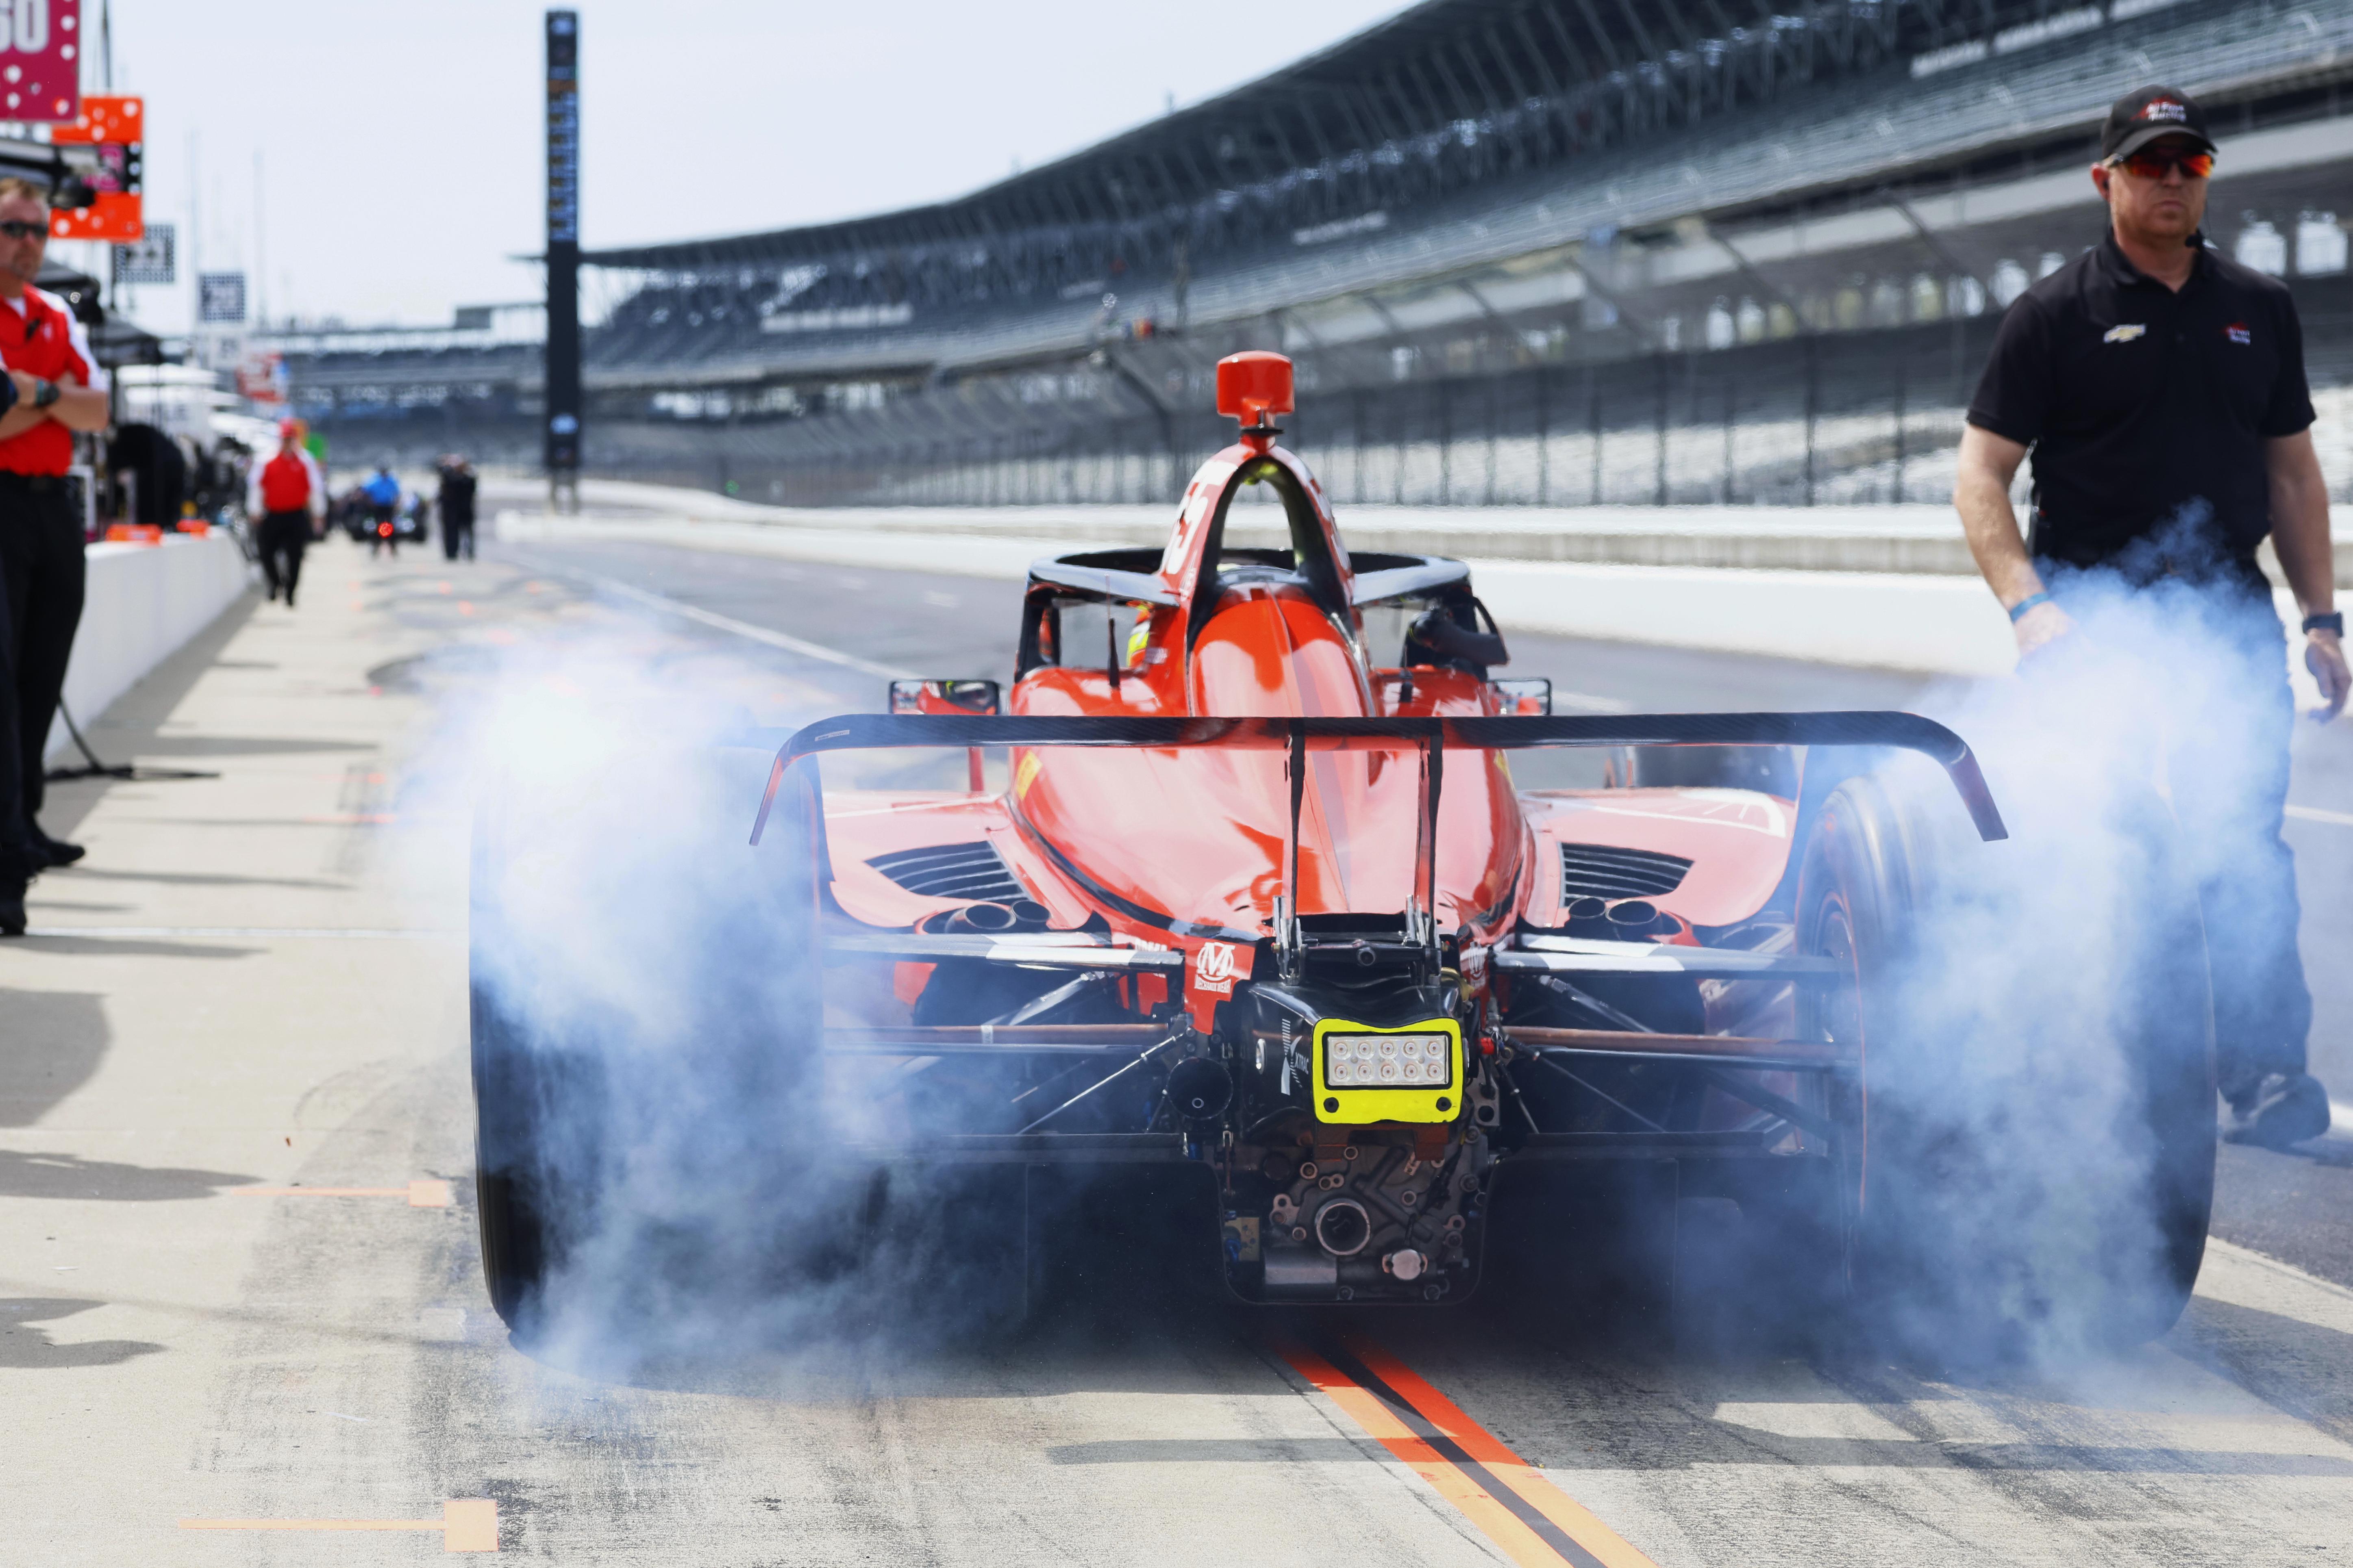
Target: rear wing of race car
x=1904 y=732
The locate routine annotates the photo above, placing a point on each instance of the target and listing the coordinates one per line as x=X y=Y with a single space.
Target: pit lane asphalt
x=253 y=987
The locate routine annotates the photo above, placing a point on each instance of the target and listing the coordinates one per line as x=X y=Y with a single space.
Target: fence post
x=1659 y=455
x=1445 y=440
x=1544 y=435
x=1398 y=427
x=1593 y=421
x=1727 y=380
x=1360 y=447
x=1900 y=373
x=1494 y=431
x=1812 y=392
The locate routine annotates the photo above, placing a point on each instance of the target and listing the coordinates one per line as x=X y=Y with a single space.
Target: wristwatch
x=45 y=393
x=2334 y=621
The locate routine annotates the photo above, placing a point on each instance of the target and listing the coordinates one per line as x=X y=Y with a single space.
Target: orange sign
x=116 y=126
x=119 y=118
x=116 y=215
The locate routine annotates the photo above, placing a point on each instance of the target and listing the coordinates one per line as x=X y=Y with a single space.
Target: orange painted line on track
x=1574 y=1517
x=1534 y=1522
x=421 y=1194
x=467 y=1524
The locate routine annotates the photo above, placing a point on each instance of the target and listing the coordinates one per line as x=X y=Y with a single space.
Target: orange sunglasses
x=2151 y=165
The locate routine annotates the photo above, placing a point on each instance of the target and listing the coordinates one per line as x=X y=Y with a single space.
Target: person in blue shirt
x=383 y=493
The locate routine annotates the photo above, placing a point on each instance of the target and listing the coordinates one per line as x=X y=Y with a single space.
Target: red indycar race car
x=1258 y=922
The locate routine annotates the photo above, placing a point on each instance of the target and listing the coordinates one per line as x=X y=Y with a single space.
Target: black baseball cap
x=2146 y=113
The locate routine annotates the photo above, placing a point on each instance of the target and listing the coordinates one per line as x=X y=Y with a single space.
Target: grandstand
x=1524 y=250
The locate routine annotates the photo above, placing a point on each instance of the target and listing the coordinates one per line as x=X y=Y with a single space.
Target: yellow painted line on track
x=467 y=1524
x=1485 y=1447
x=421 y=1194
x=1534 y=1522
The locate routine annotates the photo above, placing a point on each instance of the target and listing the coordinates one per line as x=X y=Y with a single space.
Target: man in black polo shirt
x=2161 y=387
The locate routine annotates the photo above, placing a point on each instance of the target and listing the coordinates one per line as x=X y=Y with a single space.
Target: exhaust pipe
x=1199 y=1089
x=982 y=920
x=1342 y=1227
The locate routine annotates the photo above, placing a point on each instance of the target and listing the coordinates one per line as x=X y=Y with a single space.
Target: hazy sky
x=402 y=159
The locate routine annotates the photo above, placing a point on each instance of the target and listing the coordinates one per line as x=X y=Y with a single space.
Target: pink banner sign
x=40 y=60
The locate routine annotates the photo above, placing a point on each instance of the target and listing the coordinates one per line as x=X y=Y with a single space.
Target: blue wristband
x=2028 y=603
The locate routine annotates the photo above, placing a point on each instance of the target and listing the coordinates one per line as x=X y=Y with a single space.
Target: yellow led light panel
x=1365 y=1073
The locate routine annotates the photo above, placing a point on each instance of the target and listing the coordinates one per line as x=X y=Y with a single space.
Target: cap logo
x=2163 y=109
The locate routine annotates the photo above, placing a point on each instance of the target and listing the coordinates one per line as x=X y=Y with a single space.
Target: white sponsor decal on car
x=1213 y=968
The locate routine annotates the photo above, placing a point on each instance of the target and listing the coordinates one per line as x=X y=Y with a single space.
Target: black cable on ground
x=127 y=772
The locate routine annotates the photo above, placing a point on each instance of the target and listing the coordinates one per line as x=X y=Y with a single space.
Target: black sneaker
x=2284 y=1108
x=51 y=851
x=12 y=908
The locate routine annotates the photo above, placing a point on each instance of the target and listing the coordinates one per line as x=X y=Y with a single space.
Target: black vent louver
x=970 y=871
x=1606 y=871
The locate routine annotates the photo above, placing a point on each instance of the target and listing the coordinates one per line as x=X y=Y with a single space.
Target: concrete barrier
x=145 y=602
x=1868 y=540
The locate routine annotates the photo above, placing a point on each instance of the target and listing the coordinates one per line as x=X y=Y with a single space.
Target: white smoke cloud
x=2138 y=762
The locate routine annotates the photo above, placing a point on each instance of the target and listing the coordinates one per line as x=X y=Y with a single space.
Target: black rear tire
x=539 y=1118
x=562 y=1085
x=1973 y=1227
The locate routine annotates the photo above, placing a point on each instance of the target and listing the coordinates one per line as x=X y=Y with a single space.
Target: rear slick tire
x=570 y=1098
x=1960 y=1244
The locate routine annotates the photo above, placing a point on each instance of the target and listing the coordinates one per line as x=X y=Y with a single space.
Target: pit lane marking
x=1535 y=1523
x=756 y=634
x=467 y=1524
x=422 y=1194
x=2315 y=813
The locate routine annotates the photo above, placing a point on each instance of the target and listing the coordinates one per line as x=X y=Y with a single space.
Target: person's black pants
x=456 y=533
x=381 y=537
x=281 y=539
x=41 y=558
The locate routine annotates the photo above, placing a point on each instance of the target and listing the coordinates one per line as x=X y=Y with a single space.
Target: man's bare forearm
x=1981 y=495
x=1991 y=526
x=81 y=408
x=2300 y=530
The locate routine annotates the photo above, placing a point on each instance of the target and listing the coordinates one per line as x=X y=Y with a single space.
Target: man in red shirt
x=286 y=495
x=40 y=530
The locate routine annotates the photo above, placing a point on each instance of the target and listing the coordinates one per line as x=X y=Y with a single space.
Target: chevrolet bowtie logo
x=2124 y=334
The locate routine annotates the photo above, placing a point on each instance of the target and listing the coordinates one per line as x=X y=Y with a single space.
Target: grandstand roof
x=1436 y=67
